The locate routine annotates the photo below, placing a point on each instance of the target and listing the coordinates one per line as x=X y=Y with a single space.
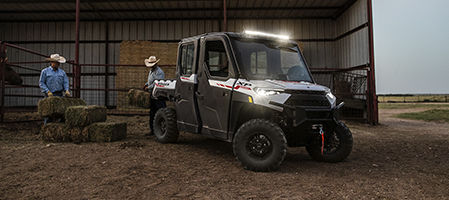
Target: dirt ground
x=399 y=159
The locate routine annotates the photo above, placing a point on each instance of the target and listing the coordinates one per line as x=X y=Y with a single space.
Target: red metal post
x=77 y=68
x=225 y=17
x=2 y=71
x=373 y=113
x=106 y=69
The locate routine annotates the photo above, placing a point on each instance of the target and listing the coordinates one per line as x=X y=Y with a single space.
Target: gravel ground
x=399 y=159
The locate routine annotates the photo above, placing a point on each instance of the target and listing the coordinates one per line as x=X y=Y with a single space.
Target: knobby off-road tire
x=339 y=153
x=165 y=126
x=260 y=145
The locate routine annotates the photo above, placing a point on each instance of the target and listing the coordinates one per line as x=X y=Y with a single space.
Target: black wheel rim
x=259 y=146
x=162 y=126
x=331 y=143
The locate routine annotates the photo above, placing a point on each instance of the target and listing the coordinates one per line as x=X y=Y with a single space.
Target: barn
x=105 y=41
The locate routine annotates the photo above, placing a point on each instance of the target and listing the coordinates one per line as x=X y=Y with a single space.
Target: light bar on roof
x=284 y=37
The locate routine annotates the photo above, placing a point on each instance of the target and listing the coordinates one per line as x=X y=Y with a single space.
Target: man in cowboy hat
x=53 y=80
x=155 y=74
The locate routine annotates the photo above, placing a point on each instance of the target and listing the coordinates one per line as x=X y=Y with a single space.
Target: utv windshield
x=267 y=59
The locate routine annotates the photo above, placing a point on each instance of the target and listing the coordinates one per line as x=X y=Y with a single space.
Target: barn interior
x=107 y=39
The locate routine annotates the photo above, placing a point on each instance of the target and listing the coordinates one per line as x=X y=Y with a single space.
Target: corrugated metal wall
x=353 y=50
x=318 y=36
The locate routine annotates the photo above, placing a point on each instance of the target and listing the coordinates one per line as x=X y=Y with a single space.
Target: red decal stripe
x=235 y=88
x=246 y=88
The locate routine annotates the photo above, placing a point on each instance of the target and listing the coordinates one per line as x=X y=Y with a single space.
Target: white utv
x=256 y=91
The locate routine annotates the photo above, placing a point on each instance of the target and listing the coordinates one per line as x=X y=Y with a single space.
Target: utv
x=256 y=91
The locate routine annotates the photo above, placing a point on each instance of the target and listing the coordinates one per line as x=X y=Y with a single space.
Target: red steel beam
x=224 y=16
x=22 y=86
x=22 y=67
x=373 y=113
x=24 y=95
x=77 y=68
x=120 y=65
x=28 y=62
x=162 y=10
x=106 y=60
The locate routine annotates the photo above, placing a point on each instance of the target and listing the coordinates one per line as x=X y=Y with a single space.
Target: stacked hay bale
x=81 y=123
x=55 y=132
x=134 y=53
x=82 y=116
x=55 y=107
x=139 y=98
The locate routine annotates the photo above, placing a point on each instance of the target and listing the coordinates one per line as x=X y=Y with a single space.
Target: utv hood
x=287 y=85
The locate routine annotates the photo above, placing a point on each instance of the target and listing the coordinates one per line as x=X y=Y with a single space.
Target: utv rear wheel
x=260 y=145
x=165 y=126
x=337 y=145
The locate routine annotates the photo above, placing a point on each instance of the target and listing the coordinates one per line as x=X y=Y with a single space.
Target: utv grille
x=308 y=99
x=318 y=115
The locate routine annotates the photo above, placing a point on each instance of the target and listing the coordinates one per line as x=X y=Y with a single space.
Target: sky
x=411 y=45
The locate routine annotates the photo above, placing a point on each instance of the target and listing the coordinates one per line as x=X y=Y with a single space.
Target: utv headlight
x=332 y=99
x=266 y=92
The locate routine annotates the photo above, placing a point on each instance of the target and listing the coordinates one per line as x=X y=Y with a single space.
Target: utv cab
x=256 y=91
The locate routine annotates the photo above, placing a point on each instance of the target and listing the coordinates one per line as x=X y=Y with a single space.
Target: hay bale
x=77 y=135
x=56 y=106
x=105 y=131
x=131 y=93
x=55 y=132
x=81 y=116
x=139 y=98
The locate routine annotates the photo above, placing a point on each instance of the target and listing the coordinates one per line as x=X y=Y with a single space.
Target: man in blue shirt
x=53 y=80
x=155 y=74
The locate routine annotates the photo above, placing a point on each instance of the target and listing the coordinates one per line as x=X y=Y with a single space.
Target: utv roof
x=230 y=34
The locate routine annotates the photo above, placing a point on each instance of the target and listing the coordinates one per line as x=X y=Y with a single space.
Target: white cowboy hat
x=56 y=58
x=151 y=61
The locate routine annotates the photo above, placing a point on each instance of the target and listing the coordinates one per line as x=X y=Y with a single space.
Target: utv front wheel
x=260 y=145
x=337 y=145
x=165 y=126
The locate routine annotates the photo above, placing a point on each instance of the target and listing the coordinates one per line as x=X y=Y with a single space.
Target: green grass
x=412 y=105
x=428 y=115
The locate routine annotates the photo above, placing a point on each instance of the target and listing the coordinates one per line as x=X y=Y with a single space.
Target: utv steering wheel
x=296 y=73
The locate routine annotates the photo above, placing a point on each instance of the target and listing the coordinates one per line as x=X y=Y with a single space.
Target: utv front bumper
x=298 y=114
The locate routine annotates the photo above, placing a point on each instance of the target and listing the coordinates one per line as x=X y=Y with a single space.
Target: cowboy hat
x=151 y=61
x=56 y=58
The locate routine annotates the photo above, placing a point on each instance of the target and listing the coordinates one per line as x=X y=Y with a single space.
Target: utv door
x=215 y=83
x=185 y=103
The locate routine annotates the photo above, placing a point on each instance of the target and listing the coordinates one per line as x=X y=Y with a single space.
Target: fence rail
x=442 y=98
x=30 y=69
x=349 y=85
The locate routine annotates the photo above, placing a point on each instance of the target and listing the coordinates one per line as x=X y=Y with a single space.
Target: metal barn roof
x=64 y=10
